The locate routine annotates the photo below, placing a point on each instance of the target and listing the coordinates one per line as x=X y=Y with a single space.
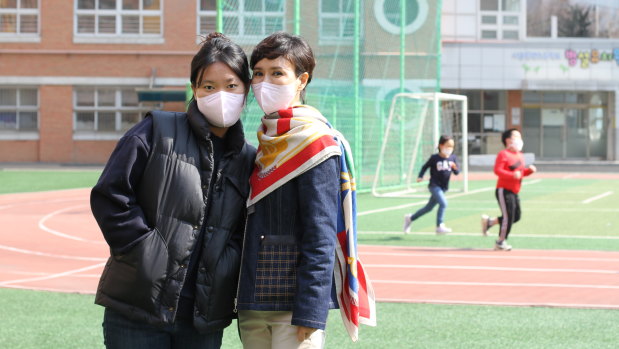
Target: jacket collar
x=234 y=139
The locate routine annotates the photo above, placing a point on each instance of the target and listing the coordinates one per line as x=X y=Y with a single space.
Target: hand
x=517 y=174
x=304 y=333
x=454 y=166
x=419 y=179
x=533 y=168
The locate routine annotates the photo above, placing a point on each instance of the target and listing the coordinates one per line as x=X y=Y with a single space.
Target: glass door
x=553 y=133
x=576 y=143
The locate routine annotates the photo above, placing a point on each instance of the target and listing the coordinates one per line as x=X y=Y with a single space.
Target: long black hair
x=216 y=47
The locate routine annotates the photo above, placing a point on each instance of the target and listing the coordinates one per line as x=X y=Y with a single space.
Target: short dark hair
x=444 y=139
x=292 y=47
x=507 y=134
x=216 y=47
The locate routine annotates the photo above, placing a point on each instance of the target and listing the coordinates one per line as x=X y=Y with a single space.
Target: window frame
x=118 y=36
x=17 y=134
x=342 y=17
x=118 y=109
x=18 y=36
x=500 y=27
x=241 y=15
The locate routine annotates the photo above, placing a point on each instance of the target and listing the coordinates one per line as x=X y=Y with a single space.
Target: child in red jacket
x=510 y=168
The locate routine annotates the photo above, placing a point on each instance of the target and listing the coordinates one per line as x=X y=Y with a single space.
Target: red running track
x=49 y=241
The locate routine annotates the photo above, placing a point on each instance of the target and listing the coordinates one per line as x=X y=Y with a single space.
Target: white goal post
x=427 y=107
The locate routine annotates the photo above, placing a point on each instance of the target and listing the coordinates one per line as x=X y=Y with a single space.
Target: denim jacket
x=289 y=248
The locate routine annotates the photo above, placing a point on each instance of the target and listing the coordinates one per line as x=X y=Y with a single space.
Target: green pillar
x=297 y=17
x=219 y=21
x=403 y=158
x=358 y=152
x=439 y=47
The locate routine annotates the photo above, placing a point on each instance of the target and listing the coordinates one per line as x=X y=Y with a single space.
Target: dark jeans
x=122 y=333
x=509 y=202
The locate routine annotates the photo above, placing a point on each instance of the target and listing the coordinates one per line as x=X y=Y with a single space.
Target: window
x=576 y=19
x=499 y=19
x=114 y=19
x=19 y=20
x=19 y=111
x=486 y=117
x=337 y=19
x=105 y=111
x=245 y=21
x=207 y=13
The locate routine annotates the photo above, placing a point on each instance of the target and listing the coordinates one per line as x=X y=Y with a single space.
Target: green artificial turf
x=32 y=181
x=34 y=319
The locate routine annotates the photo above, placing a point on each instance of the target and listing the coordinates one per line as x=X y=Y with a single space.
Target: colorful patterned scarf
x=293 y=141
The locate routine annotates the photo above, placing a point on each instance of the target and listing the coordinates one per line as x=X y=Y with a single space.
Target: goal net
x=411 y=134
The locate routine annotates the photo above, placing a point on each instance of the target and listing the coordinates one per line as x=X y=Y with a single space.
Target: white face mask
x=517 y=144
x=272 y=97
x=447 y=151
x=222 y=109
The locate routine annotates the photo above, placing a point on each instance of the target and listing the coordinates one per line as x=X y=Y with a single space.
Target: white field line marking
x=44 y=254
x=501 y=284
x=494 y=256
x=592 y=237
x=597 y=197
x=458 y=267
x=418 y=203
x=517 y=304
x=89 y=291
x=52 y=276
x=62 y=235
x=423 y=202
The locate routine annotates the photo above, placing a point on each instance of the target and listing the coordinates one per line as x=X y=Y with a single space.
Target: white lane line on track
x=501 y=284
x=53 y=201
x=458 y=267
x=488 y=256
x=44 y=254
x=515 y=304
x=597 y=197
x=52 y=276
x=593 y=237
x=384 y=209
x=43 y=227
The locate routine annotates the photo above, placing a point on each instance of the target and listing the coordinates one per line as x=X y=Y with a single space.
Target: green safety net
x=366 y=52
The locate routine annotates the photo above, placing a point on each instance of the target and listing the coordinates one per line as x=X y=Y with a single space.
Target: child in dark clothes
x=441 y=165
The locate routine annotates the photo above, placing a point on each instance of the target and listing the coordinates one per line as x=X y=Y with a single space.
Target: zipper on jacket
x=238 y=284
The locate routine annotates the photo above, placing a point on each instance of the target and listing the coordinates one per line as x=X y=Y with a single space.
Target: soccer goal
x=411 y=134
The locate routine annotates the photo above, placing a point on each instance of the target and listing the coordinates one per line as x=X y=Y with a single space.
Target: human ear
x=303 y=77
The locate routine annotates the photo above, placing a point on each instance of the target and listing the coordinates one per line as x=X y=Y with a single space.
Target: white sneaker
x=442 y=229
x=502 y=246
x=407 y=223
x=485 y=224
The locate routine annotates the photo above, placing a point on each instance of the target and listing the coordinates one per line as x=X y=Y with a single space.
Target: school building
x=547 y=67
x=76 y=74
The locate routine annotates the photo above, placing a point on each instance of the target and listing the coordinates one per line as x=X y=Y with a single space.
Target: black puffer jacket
x=151 y=205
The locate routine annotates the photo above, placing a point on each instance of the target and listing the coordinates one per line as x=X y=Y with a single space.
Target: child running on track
x=441 y=165
x=510 y=168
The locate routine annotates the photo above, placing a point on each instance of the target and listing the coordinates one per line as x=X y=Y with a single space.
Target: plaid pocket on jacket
x=276 y=272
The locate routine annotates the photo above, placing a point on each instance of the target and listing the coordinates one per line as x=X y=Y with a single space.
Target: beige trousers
x=272 y=330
